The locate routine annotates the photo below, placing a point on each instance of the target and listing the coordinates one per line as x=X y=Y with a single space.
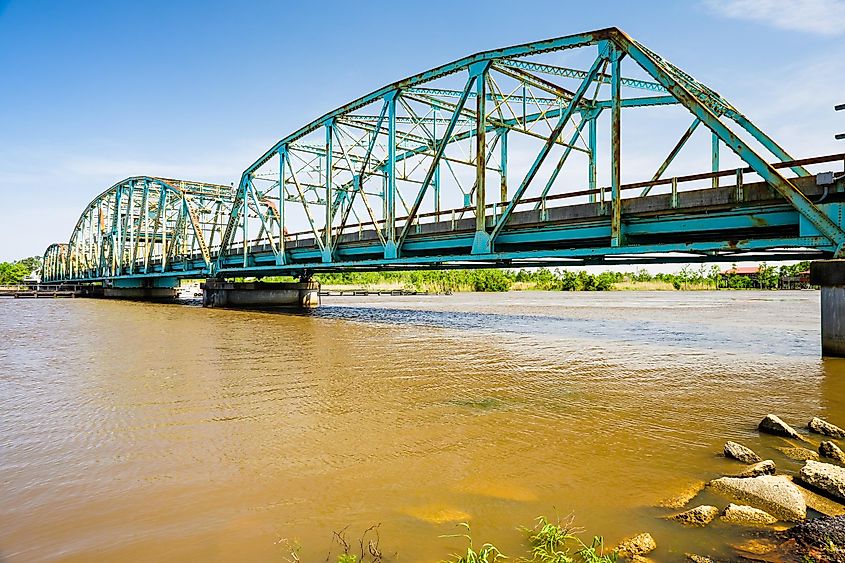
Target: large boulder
x=820 y=426
x=799 y=454
x=636 y=546
x=698 y=516
x=824 y=477
x=766 y=467
x=741 y=453
x=772 y=424
x=747 y=516
x=832 y=451
x=776 y=495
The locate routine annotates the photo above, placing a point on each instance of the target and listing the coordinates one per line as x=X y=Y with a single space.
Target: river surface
x=144 y=432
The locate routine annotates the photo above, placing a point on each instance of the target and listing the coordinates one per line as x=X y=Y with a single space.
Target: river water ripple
x=143 y=432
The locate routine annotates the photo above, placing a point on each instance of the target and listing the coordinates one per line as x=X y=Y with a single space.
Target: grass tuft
x=487 y=553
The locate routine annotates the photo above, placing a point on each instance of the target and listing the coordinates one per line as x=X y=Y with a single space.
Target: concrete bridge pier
x=830 y=276
x=302 y=295
x=155 y=289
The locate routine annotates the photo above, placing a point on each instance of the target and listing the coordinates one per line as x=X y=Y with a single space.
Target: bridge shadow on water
x=738 y=338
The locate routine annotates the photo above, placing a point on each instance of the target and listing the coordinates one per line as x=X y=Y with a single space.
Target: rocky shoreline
x=786 y=515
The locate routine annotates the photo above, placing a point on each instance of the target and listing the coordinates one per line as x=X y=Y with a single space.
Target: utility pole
x=840 y=107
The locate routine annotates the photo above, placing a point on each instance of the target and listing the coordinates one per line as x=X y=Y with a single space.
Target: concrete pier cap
x=302 y=295
x=830 y=276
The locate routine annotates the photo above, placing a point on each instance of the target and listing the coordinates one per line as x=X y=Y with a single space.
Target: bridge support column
x=830 y=275
x=155 y=289
x=285 y=295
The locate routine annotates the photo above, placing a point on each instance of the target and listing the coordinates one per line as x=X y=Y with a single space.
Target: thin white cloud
x=822 y=17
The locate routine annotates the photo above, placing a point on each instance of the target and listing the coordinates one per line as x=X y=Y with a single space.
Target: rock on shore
x=772 y=424
x=832 y=451
x=820 y=426
x=799 y=454
x=698 y=516
x=766 y=467
x=747 y=516
x=741 y=453
x=637 y=546
x=825 y=477
x=774 y=494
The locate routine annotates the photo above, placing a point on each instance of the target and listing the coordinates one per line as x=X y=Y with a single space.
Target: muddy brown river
x=144 y=432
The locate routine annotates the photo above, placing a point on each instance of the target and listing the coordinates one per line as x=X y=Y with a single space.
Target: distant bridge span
x=506 y=158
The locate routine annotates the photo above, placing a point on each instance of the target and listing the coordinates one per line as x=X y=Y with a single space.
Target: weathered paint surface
x=369 y=180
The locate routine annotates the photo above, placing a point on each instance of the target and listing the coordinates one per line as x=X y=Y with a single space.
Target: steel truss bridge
x=506 y=158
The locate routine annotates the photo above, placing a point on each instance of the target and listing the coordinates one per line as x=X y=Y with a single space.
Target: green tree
x=767 y=276
x=12 y=272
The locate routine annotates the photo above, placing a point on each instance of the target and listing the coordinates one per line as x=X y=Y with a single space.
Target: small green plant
x=487 y=553
x=830 y=546
x=594 y=553
x=549 y=540
x=552 y=542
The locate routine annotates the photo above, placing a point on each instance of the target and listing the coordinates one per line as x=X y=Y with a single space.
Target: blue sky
x=93 y=92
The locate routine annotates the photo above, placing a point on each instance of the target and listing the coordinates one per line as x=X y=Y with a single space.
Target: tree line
x=14 y=272
x=442 y=281
x=703 y=277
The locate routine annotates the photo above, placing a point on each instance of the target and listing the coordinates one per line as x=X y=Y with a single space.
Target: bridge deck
x=729 y=217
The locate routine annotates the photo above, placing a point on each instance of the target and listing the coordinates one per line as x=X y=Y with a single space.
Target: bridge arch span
x=513 y=157
x=143 y=226
x=484 y=139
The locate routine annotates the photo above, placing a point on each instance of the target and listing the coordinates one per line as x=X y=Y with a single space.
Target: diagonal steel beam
x=766 y=171
x=535 y=167
x=441 y=148
x=672 y=154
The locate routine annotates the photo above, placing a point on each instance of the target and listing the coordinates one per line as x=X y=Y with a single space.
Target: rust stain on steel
x=758 y=221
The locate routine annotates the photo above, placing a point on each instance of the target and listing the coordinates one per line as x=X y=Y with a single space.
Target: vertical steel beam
x=550 y=141
x=503 y=161
x=147 y=241
x=436 y=179
x=592 y=162
x=280 y=259
x=142 y=225
x=616 y=236
x=714 y=149
x=247 y=185
x=327 y=243
x=130 y=220
x=116 y=231
x=390 y=188
x=481 y=244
